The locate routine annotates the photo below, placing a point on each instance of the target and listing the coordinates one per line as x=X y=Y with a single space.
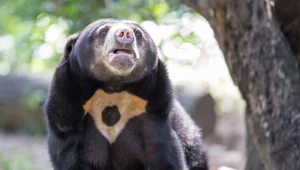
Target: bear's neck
x=155 y=88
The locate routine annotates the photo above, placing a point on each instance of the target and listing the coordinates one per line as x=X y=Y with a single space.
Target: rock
x=21 y=100
x=200 y=105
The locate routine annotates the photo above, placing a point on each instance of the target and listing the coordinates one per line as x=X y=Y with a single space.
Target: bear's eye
x=138 y=33
x=103 y=32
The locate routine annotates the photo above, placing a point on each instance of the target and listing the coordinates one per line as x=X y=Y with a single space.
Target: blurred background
x=32 y=38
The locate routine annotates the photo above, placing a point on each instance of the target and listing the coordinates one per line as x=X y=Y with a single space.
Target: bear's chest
x=111 y=112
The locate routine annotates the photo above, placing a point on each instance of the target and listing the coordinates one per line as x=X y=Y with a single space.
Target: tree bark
x=259 y=57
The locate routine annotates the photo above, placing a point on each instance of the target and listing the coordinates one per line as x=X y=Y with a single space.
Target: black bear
x=111 y=105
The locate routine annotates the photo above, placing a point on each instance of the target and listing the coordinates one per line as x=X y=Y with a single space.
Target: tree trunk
x=258 y=53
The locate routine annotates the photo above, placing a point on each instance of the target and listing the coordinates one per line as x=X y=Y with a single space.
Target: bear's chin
x=120 y=65
x=119 y=70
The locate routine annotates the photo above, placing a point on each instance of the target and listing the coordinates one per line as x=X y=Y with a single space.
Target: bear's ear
x=68 y=48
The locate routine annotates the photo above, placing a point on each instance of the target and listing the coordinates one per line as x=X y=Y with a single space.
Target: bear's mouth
x=121 y=61
x=122 y=52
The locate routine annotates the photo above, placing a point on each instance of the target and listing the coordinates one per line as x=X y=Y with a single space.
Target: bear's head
x=112 y=51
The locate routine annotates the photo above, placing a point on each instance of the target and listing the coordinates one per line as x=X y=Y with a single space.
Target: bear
x=111 y=105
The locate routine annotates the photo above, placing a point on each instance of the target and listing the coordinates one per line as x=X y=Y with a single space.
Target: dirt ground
x=225 y=148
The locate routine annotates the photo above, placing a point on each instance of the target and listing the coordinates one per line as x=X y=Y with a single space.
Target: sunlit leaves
x=39 y=29
x=159 y=9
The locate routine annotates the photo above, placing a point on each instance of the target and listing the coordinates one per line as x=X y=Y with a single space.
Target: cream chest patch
x=112 y=111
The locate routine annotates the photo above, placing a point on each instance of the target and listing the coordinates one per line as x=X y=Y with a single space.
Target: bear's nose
x=124 y=36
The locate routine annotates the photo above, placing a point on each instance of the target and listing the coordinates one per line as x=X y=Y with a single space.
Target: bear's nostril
x=121 y=34
x=128 y=35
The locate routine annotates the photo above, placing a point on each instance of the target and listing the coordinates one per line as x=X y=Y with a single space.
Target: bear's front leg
x=64 y=108
x=162 y=146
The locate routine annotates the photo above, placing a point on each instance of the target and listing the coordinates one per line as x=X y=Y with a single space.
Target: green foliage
x=33 y=32
x=19 y=161
x=35 y=99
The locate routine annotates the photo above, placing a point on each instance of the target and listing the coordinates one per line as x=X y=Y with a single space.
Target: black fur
x=111 y=115
x=164 y=138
